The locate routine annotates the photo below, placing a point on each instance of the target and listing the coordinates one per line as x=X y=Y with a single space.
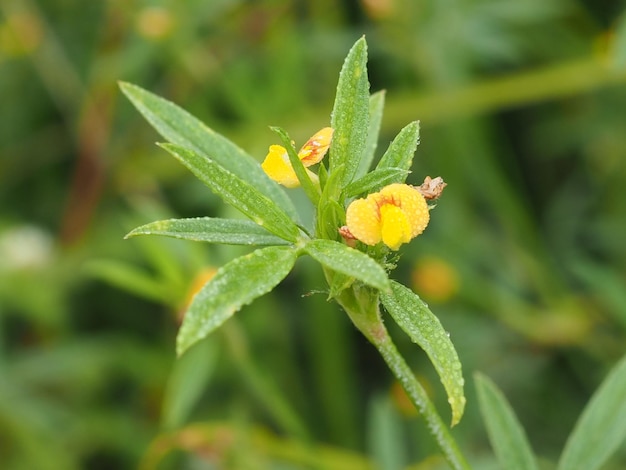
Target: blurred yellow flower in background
x=435 y=279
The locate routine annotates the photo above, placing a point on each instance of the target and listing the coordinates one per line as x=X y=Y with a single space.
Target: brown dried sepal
x=346 y=234
x=431 y=188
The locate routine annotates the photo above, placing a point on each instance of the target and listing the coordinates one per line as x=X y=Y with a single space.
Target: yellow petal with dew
x=395 y=226
x=363 y=220
x=316 y=147
x=412 y=203
x=277 y=166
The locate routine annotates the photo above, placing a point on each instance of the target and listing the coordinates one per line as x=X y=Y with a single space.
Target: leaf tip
x=182 y=345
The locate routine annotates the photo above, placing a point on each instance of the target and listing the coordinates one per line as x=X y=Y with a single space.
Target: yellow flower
x=395 y=215
x=278 y=167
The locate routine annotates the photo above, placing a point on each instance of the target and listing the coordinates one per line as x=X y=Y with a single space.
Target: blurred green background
x=523 y=112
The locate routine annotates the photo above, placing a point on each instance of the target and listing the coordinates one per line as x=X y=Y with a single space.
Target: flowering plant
x=362 y=218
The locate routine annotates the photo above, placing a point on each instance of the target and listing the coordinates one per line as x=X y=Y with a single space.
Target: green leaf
x=235 y=284
x=211 y=230
x=187 y=382
x=330 y=213
x=375 y=180
x=377 y=103
x=312 y=191
x=350 y=116
x=601 y=428
x=506 y=435
x=348 y=261
x=401 y=150
x=424 y=329
x=237 y=192
x=181 y=128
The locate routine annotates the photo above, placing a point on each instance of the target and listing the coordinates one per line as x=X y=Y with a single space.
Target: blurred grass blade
x=211 y=230
x=237 y=192
x=377 y=104
x=401 y=150
x=425 y=329
x=131 y=279
x=235 y=284
x=350 y=115
x=506 y=435
x=348 y=261
x=601 y=428
x=619 y=43
x=187 y=382
x=385 y=435
x=375 y=180
x=607 y=284
x=181 y=128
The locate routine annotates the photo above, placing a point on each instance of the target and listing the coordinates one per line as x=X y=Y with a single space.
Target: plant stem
x=362 y=306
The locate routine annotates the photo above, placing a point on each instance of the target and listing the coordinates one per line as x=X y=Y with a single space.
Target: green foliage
x=234 y=285
x=350 y=115
x=211 y=230
x=377 y=105
x=424 y=329
x=183 y=130
x=311 y=190
x=505 y=432
x=348 y=261
x=401 y=150
x=244 y=279
x=237 y=192
x=375 y=180
x=520 y=105
x=600 y=430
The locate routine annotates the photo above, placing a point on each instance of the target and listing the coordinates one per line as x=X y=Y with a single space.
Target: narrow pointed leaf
x=211 y=230
x=237 y=192
x=330 y=212
x=375 y=180
x=350 y=115
x=601 y=428
x=348 y=261
x=377 y=104
x=506 y=434
x=181 y=128
x=312 y=191
x=424 y=329
x=235 y=284
x=401 y=150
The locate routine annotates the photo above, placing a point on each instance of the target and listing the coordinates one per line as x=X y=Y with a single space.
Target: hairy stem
x=362 y=306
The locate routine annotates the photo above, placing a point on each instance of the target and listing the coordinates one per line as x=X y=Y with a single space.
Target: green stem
x=361 y=305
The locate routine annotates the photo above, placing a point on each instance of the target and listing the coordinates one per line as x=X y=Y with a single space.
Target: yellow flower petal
x=316 y=147
x=394 y=226
x=363 y=220
x=395 y=215
x=411 y=202
x=277 y=166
